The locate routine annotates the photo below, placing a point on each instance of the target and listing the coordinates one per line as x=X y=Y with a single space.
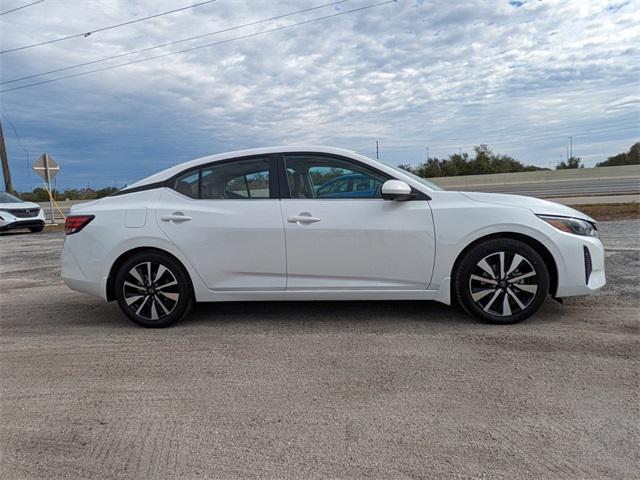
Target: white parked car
x=321 y=223
x=14 y=214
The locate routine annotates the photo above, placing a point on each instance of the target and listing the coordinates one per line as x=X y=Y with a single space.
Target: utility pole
x=8 y=185
x=460 y=152
x=377 y=151
x=47 y=179
x=427 y=154
x=571 y=145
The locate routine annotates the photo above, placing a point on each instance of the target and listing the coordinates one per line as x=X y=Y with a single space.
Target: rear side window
x=187 y=184
x=234 y=180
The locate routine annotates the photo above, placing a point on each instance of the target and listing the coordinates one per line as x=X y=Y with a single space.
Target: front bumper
x=583 y=271
x=9 y=221
x=22 y=224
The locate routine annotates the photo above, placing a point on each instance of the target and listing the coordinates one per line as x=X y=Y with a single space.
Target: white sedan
x=15 y=214
x=321 y=223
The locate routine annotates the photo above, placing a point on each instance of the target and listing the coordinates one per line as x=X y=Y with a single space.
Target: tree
x=572 y=162
x=632 y=157
x=485 y=161
x=407 y=167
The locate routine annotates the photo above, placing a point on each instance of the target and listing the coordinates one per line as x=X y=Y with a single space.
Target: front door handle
x=176 y=217
x=304 y=217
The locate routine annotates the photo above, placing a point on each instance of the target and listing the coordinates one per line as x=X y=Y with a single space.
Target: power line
x=528 y=140
x=20 y=8
x=541 y=136
x=133 y=52
x=242 y=37
x=19 y=139
x=91 y=32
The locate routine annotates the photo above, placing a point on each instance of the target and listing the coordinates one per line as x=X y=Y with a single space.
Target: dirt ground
x=316 y=390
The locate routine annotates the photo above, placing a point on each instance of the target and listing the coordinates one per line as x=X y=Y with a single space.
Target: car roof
x=171 y=171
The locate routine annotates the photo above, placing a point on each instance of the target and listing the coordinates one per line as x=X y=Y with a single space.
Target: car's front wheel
x=153 y=289
x=501 y=281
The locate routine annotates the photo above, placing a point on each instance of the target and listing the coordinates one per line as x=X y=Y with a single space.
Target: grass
x=610 y=211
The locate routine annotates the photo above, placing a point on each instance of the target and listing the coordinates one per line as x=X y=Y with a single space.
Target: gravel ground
x=316 y=390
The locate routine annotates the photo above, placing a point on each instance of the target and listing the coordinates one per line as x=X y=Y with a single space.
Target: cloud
x=520 y=76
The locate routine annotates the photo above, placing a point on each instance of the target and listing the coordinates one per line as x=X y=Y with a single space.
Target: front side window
x=324 y=177
x=234 y=180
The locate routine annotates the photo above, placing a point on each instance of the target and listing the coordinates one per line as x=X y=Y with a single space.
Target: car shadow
x=291 y=317
x=374 y=314
x=10 y=233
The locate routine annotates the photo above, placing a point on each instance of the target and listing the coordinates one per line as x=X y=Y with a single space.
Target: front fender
x=474 y=222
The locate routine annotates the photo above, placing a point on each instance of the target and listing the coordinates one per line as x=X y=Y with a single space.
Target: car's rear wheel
x=501 y=281
x=37 y=229
x=153 y=289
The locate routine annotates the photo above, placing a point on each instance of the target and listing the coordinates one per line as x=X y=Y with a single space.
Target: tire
x=491 y=296
x=161 y=302
x=36 y=229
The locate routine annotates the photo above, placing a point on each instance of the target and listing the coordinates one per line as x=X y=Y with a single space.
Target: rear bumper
x=75 y=278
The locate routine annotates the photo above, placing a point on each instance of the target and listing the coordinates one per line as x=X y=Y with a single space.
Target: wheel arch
x=542 y=250
x=113 y=271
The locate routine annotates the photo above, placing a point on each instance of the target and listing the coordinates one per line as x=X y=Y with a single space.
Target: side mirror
x=395 y=190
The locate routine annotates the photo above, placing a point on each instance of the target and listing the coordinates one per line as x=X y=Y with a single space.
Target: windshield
x=8 y=198
x=423 y=181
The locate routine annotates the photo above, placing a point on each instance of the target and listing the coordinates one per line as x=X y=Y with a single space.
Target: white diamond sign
x=46 y=163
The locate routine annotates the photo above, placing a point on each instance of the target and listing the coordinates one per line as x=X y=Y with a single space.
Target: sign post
x=47 y=168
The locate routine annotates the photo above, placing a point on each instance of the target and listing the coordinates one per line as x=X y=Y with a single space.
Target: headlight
x=572 y=225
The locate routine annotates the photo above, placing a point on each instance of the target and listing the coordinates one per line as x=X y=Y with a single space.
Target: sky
x=520 y=76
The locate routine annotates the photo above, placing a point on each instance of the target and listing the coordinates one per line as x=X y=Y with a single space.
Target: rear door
x=341 y=234
x=225 y=218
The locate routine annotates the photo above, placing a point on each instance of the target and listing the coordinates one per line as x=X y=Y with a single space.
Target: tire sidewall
x=480 y=251
x=185 y=300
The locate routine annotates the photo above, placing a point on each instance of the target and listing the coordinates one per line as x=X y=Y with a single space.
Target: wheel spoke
x=149 y=272
x=162 y=305
x=484 y=265
x=129 y=284
x=526 y=287
x=493 y=299
x=506 y=308
x=522 y=277
x=160 y=272
x=481 y=294
x=170 y=284
x=517 y=260
x=483 y=279
x=515 y=297
x=170 y=296
x=154 y=312
x=135 y=274
x=501 y=255
x=133 y=299
x=144 y=302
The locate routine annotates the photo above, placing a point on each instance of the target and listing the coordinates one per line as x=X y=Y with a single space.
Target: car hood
x=536 y=205
x=18 y=206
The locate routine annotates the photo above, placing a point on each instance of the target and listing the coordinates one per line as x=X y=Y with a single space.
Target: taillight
x=75 y=223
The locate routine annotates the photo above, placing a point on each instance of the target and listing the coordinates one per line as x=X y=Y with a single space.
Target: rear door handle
x=304 y=217
x=176 y=217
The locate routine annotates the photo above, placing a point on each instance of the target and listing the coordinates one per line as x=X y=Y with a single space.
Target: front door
x=225 y=218
x=341 y=234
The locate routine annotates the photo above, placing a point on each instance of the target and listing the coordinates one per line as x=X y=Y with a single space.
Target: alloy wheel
x=151 y=290
x=503 y=283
